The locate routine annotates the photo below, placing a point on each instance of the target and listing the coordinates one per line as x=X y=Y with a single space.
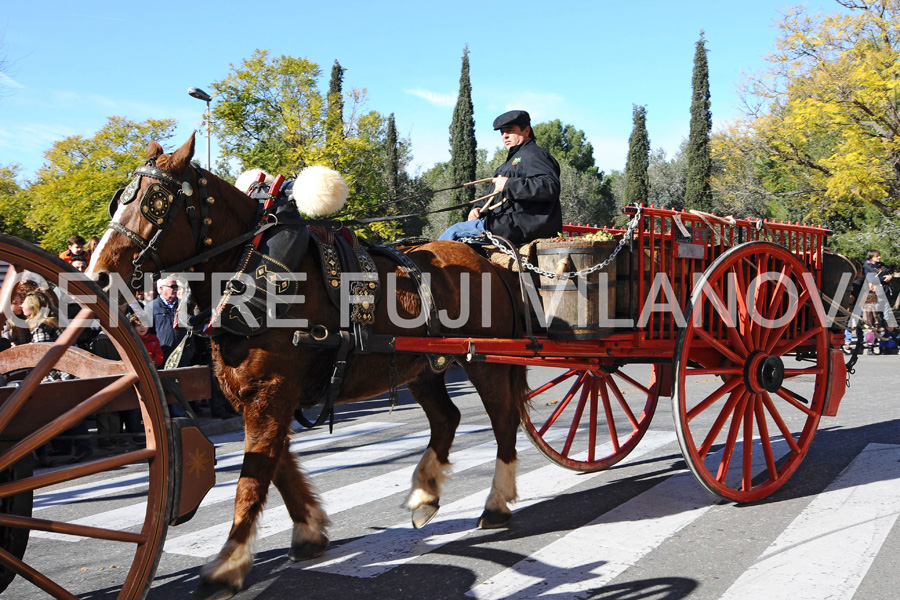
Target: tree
x=334 y=123
x=667 y=178
x=392 y=164
x=463 y=148
x=637 y=180
x=269 y=114
x=825 y=111
x=72 y=190
x=13 y=211
x=585 y=194
x=697 y=187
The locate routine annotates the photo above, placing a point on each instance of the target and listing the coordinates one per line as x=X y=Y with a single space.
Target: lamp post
x=201 y=95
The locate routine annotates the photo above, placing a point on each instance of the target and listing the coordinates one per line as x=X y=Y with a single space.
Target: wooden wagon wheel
x=588 y=420
x=745 y=409
x=27 y=424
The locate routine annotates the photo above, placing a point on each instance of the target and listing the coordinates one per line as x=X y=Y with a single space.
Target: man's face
x=79 y=265
x=513 y=136
x=76 y=248
x=168 y=290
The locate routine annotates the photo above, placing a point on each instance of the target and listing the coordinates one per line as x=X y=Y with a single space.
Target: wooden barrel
x=577 y=311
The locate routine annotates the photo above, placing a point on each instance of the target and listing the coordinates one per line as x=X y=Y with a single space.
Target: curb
x=211 y=427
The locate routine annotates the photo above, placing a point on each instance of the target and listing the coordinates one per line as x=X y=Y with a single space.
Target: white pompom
x=249 y=177
x=319 y=191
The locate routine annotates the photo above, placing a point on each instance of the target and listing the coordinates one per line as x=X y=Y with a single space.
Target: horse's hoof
x=424 y=514
x=214 y=590
x=492 y=519
x=307 y=550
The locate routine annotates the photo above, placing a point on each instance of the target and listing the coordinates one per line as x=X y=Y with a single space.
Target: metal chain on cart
x=632 y=225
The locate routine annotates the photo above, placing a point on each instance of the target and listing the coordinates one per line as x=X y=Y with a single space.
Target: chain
x=632 y=225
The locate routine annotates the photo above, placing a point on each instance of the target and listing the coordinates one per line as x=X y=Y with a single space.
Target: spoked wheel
x=33 y=413
x=588 y=420
x=745 y=409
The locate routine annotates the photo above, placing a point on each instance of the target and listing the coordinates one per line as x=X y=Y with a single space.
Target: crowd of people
x=160 y=319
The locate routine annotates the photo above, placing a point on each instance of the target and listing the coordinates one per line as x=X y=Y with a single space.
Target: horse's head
x=161 y=219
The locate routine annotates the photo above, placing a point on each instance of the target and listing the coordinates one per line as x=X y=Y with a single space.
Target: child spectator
x=151 y=342
x=15 y=334
x=91 y=244
x=76 y=248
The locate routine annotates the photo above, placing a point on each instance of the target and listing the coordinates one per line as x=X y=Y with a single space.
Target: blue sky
x=71 y=65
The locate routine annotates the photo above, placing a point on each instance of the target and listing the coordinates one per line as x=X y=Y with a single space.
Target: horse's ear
x=181 y=158
x=153 y=149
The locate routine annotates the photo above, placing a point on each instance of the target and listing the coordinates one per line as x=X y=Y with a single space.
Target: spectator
x=76 y=248
x=44 y=327
x=11 y=331
x=91 y=244
x=165 y=311
x=79 y=262
x=151 y=342
x=876 y=273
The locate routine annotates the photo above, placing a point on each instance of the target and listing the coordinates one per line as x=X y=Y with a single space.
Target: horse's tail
x=519 y=387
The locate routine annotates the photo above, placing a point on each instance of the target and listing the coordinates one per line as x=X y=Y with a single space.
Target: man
x=876 y=271
x=78 y=262
x=527 y=206
x=76 y=248
x=165 y=310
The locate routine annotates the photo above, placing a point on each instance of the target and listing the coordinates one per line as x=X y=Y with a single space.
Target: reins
x=418 y=195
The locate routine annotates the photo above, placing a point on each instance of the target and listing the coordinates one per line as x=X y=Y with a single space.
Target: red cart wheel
x=745 y=409
x=590 y=420
x=33 y=412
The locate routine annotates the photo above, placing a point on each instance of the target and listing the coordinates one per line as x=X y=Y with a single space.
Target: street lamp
x=201 y=95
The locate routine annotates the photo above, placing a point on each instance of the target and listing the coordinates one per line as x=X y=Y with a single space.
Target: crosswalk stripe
x=133 y=515
x=594 y=554
x=834 y=541
x=206 y=542
x=375 y=554
x=118 y=485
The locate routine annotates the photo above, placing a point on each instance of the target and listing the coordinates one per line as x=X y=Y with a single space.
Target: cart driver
x=527 y=206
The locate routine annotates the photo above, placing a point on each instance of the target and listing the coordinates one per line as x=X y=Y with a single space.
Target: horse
x=267 y=377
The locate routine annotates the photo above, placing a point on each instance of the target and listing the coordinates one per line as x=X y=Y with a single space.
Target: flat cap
x=513 y=117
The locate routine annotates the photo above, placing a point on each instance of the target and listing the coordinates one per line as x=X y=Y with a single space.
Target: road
x=643 y=529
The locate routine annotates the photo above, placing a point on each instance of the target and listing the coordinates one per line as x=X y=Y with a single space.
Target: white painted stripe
x=207 y=542
x=594 y=554
x=117 y=485
x=375 y=554
x=133 y=515
x=833 y=542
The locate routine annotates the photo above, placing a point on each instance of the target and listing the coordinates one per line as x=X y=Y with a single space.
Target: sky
x=69 y=66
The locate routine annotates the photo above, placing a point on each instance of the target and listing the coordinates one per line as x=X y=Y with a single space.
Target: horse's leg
x=503 y=390
x=265 y=431
x=309 y=538
x=430 y=391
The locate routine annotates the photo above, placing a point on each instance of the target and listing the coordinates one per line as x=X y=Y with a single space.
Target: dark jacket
x=164 y=325
x=532 y=209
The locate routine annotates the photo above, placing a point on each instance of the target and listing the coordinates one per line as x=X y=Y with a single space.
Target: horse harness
x=160 y=206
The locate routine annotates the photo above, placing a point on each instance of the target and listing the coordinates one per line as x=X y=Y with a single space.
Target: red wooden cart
x=725 y=316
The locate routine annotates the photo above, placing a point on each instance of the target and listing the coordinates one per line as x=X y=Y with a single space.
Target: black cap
x=513 y=117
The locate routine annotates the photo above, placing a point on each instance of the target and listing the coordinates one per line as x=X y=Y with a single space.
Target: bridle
x=160 y=207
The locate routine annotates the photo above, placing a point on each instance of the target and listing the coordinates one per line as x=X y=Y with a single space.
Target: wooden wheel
x=590 y=420
x=745 y=409
x=33 y=413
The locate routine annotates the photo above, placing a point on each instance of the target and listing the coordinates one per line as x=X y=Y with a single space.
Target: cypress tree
x=392 y=176
x=697 y=191
x=463 y=150
x=637 y=178
x=334 y=118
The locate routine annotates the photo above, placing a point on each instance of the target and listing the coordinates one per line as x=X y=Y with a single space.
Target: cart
x=723 y=315
x=175 y=457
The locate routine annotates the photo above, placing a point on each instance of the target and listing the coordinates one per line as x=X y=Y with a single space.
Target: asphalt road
x=643 y=529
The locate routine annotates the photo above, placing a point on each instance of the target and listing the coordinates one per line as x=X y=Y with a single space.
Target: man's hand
x=499 y=182
x=475 y=213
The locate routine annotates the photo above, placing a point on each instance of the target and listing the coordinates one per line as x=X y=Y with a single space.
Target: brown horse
x=267 y=377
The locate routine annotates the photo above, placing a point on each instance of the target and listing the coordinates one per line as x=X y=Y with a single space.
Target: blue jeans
x=463 y=229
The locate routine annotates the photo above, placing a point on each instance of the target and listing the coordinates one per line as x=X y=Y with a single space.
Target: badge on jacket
x=517 y=160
